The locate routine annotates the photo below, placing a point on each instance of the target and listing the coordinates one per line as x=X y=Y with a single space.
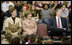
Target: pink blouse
x=29 y=27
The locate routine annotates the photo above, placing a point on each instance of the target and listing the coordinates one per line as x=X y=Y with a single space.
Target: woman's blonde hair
x=27 y=13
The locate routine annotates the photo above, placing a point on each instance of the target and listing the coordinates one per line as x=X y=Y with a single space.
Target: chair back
x=42 y=30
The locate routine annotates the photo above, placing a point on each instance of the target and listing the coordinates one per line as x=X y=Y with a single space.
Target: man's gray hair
x=58 y=9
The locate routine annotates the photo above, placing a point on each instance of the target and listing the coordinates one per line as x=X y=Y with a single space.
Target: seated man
x=55 y=26
x=12 y=25
x=58 y=24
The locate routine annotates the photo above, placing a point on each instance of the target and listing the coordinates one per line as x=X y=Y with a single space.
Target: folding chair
x=42 y=31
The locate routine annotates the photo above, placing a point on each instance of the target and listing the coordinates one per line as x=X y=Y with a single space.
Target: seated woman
x=24 y=11
x=12 y=25
x=29 y=25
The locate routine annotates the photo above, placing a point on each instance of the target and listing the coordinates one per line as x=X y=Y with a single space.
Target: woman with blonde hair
x=29 y=25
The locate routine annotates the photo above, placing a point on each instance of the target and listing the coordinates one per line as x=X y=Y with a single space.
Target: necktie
x=58 y=23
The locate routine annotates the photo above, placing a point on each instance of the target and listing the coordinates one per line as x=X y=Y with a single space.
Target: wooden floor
x=61 y=41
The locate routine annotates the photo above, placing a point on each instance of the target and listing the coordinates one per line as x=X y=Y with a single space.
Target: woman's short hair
x=27 y=13
x=12 y=10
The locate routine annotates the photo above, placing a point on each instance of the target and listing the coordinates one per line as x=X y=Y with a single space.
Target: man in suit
x=58 y=24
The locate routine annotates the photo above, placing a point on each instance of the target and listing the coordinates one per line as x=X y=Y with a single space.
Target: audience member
x=8 y=12
x=46 y=12
x=5 y=6
x=58 y=24
x=29 y=25
x=38 y=6
x=12 y=25
x=18 y=7
x=23 y=12
x=65 y=13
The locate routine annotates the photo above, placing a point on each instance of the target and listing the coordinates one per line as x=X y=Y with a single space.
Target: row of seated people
x=46 y=12
x=13 y=25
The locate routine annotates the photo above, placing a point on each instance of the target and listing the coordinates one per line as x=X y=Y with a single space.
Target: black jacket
x=53 y=24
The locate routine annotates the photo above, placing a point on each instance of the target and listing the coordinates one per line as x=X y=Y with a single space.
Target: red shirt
x=27 y=7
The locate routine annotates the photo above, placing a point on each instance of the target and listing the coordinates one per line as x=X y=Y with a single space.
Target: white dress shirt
x=57 y=21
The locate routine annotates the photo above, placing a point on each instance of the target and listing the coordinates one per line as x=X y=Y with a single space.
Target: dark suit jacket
x=53 y=24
